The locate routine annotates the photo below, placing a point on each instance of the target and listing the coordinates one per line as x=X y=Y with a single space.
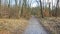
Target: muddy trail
x=35 y=27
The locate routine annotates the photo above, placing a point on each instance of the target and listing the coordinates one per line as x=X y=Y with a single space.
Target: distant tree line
x=22 y=8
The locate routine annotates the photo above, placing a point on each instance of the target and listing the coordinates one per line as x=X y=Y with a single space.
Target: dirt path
x=34 y=27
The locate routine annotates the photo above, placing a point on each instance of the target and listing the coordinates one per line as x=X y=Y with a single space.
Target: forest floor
x=12 y=26
x=52 y=24
x=16 y=26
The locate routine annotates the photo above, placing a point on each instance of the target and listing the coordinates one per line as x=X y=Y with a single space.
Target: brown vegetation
x=52 y=24
x=12 y=26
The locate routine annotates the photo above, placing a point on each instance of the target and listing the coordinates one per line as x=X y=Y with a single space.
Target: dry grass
x=52 y=24
x=12 y=26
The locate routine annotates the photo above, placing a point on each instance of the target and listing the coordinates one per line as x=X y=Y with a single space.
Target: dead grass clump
x=4 y=32
x=13 y=25
x=52 y=24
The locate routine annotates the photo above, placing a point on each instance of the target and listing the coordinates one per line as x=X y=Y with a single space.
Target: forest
x=25 y=8
x=16 y=15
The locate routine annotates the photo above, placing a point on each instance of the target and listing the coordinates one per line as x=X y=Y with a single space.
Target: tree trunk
x=41 y=9
x=49 y=10
x=56 y=7
x=16 y=2
x=19 y=8
x=9 y=4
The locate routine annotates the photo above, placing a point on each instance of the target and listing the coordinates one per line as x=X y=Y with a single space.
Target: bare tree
x=20 y=8
x=41 y=9
x=23 y=6
x=49 y=7
x=52 y=4
x=29 y=5
x=37 y=2
x=9 y=3
x=20 y=3
x=15 y=2
x=24 y=3
x=56 y=7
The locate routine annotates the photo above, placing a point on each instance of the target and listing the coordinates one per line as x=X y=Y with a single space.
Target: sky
x=34 y=3
x=45 y=2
